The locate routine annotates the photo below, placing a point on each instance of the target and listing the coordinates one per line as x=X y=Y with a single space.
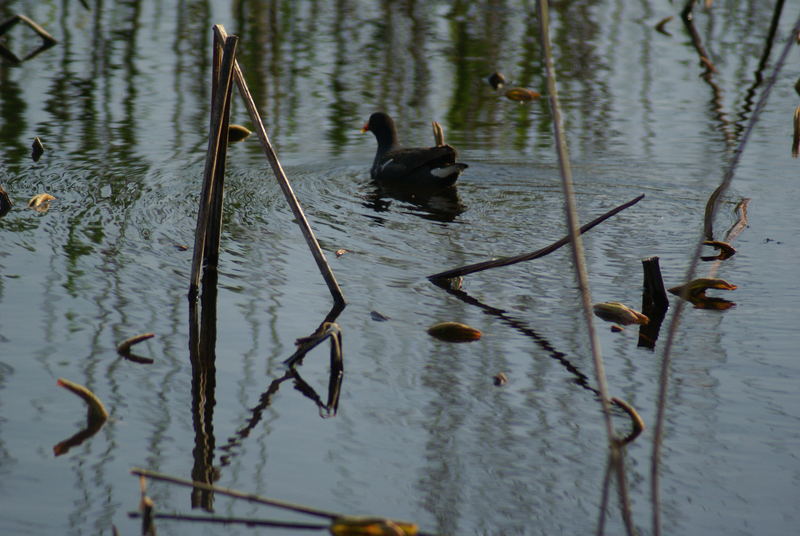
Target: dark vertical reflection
x=202 y=354
x=341 y=109
x=417 y=49
x=192 y=63
x=12 y=117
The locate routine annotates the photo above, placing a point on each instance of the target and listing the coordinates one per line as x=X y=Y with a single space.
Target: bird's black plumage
x=414 y=168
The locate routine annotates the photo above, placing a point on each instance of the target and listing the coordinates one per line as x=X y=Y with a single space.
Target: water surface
x=421 y=433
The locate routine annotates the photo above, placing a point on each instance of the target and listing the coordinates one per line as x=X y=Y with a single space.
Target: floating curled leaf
x=660 y=27
x=40 y=202
x=698 y=287
x=500 y=379
x=124 y=348
x=97 y=411
x=620 y=313
x=378 y=317
x=726 y=251
x=237 y=133
x=695 y=292
x=454 y=332
x=522 y=94
x=96 y=416
x=371 y=526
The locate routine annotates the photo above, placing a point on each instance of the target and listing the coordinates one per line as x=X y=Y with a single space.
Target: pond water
x=121 y=105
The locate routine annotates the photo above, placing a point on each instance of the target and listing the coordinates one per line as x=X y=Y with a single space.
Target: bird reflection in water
x=442 y=205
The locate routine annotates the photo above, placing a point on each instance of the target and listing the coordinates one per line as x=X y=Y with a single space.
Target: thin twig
x=618 y=459
x=572 y=215
x=283 y=182
x=507 y=261
x=153 y=475
x=658 y=430
x=250 y=522
x=601 y=521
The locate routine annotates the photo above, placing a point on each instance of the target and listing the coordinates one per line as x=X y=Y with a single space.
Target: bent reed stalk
x=571 y=214
x=658 y=429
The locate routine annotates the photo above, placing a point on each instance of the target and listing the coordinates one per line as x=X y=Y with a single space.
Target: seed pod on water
x=366 y=526
x=454 y=332
x=40 y=202
x=237 y=133
x=521 y=94
x=619 y=313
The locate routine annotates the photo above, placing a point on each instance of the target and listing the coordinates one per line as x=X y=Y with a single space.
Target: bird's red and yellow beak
x=365 y=128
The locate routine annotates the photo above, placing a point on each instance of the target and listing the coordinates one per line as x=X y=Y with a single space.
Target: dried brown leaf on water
x=497 y=80
x=454 y=332
x=40 y=202
x=796 y=137
x=371 y=526
x=378 y=317
x=521 y=94
x=619 y=313
x=662 y=23
x=726 y=251
x=500 y=379
x=237 y=133
x=125 y=346
x=698 y=287
x=696 y=293
x=37 y=149
x=97 y=411
x=340 y=252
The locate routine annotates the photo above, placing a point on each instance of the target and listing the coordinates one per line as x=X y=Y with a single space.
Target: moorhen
x=412 y=168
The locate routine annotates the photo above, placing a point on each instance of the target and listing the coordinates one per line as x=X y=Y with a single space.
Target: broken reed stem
x=283 y=182
x=618 y=460
x=507 y=261
x=740 y=225
x=572 y=216
x=237 y=521
x=735 y=230
x=658 y=430
x=654 y=292
x=235 y=494
x=601 y=521
x=214 y=230
x=222 y=94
